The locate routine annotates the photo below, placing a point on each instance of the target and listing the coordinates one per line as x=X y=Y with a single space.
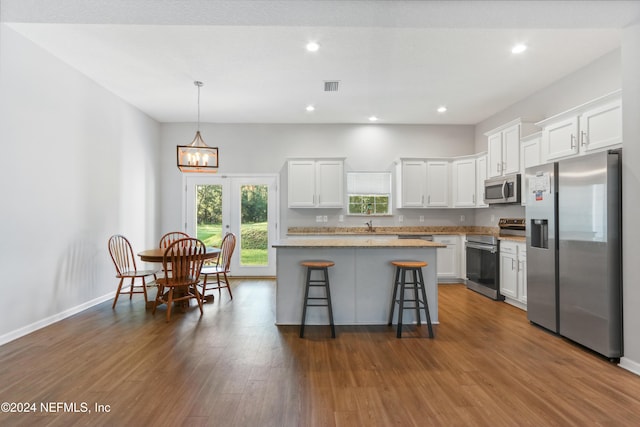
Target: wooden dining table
x=157 y=255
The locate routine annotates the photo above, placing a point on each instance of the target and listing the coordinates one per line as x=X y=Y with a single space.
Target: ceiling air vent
x=331 y=85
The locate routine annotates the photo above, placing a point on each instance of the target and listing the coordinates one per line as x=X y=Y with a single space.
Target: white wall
x=630 y=195
x=77 y=165
x=598 y=78
x=265 y=148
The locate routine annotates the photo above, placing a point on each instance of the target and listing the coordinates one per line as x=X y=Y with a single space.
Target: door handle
x=583 y=137
x=573 y=141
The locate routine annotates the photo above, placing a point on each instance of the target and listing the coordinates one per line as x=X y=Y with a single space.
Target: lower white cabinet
x=448 y=258
x=513 y=273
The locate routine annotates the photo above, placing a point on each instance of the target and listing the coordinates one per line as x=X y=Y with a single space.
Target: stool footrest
x=322 y=267
x=416 y=286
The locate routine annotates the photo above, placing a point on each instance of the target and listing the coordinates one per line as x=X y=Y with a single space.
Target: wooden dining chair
x=183 y=259
x=168 y=239
x=221 y=268
x=171 y=237
x=122 y=256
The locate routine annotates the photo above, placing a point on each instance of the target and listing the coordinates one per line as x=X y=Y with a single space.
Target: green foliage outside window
x=368 y=204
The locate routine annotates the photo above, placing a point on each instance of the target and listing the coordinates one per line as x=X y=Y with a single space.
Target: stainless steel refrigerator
x=574 y=250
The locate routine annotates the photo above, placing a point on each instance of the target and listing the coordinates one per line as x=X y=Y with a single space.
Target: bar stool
x=419 y=300
x=323 y=282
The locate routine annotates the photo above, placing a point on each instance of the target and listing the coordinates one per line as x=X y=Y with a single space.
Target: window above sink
x=369 y=193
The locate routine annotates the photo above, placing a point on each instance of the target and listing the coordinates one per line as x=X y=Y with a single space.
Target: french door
x=246 y=206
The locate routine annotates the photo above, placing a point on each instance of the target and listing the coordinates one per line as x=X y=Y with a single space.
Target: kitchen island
x=361 y=280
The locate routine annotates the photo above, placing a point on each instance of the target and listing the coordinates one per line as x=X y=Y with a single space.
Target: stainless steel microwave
x=502 y=189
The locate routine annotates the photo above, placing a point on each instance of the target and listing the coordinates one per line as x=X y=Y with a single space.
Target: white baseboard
x=630 y=365
x=25 y=330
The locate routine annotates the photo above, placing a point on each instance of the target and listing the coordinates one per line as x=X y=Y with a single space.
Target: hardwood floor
x=487 y=366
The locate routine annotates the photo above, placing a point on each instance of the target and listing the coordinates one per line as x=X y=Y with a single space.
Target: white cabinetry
x=448 y=264
x=438 y=183
x=423 y=183
x=503 y=148
x=481 y=175
x=316 y=183
x=513 y=273
x=588 y=127
x=464 y=183
x=529 y=156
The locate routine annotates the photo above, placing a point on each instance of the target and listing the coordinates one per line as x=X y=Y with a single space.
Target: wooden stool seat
x=409 y=264
x=317 y=264
x=419 y=293
x=317 y=301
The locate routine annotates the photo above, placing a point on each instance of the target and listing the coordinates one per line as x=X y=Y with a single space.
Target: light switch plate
x=318 y=218
x=341 y=218
x=401 y=218
x=325 y=218
x=421 y=218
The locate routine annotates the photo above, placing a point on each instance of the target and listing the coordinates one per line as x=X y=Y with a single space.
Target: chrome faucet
x=369 y=225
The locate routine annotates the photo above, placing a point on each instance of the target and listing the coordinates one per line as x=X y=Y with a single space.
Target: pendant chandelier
x=197 y=156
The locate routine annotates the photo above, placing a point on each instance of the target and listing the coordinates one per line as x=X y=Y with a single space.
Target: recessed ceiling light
x=310 y=108
x=442 y=109
x=373 y=119
x=519 y=48
x=313 y=46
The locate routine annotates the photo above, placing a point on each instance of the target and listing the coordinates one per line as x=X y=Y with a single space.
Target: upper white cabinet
x=503 y=148
x=464 y=183
x=529 y=156
x=588 y=127
x=438 y=183
x=423 y=183
x=412 y=180
x=481 y=175
x=316 y=183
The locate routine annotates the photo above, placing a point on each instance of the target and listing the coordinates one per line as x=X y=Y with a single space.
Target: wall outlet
x=421 y=218
x=341 y=218
x=493 y=218
x=325 y=218
x=319 y=218
x=462 y=218
x=401 y=218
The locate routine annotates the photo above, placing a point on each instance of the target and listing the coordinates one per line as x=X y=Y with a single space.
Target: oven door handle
x=490 y=248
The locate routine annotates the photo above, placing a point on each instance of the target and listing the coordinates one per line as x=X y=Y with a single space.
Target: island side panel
x=361 y=283
x=374 y=283
x=290 y=285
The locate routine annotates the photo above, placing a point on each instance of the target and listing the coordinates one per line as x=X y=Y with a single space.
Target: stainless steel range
x=483 y=260
x=483 y=269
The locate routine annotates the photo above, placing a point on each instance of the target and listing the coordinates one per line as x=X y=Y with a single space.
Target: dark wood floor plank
x=487 y=366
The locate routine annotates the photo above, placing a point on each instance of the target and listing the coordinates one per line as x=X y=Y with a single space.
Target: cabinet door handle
x=504 y=166
x=473 y=199
x=573 y=141
x=429 y=199
x=498 y=167
x=583 y=138
x=513 y=264
x=422 y=199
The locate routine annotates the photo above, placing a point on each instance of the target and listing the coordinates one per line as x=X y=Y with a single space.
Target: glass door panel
x=245 y=206
x=209 y=213
x=254 y=237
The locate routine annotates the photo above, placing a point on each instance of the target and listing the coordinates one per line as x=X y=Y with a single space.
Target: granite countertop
x=356 y=243
x=391 y=231
x=521 y=239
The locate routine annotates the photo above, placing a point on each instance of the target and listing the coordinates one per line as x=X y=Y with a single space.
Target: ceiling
x=255 y=67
